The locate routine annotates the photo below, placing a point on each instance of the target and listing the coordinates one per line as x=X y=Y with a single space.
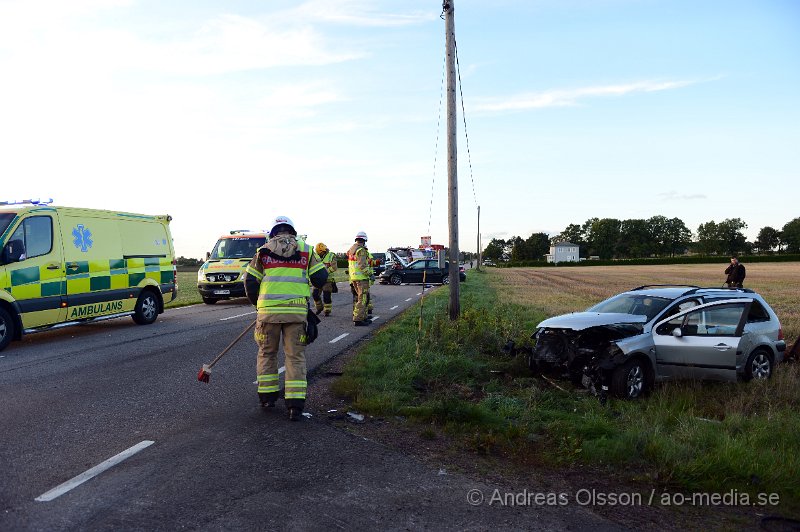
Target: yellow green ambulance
x=62 y=265
x=220 y=276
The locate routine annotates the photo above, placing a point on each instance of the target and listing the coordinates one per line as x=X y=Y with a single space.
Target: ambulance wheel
x=209 y=300
x=146 y=310
x=6 y=328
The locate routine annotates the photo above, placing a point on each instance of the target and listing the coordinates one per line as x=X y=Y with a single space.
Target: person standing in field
x=736 y=273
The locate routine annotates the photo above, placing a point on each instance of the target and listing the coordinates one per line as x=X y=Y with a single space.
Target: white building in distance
x=564 y=252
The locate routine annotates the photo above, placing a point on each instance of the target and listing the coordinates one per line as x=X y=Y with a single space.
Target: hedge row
x=718 y=259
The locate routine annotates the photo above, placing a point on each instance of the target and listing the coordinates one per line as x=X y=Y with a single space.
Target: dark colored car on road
x=413 y=273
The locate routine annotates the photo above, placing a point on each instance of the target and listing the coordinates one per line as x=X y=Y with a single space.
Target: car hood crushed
x=578 y=321
x=582 y=346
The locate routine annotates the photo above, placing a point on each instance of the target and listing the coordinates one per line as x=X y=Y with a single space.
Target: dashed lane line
x=394 y=307
x=409 y=299
x=237 y=316
x=93 y=472
x=338 y=338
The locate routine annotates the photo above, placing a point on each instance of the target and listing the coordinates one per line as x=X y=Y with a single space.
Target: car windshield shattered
x=636 y=304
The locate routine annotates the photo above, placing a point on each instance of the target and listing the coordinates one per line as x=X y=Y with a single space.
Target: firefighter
x=359 y=273
x=277 y=283
x=323 y=294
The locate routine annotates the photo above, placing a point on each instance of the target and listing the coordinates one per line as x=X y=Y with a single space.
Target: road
x=207 y=456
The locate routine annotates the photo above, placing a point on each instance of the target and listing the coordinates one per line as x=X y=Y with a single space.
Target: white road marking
x=338 y=338
x=93 y=472
x=419 y=294
x=183 y=307
x=409 y=299
x=394 y=307
x=375 y=318
x=237 y=316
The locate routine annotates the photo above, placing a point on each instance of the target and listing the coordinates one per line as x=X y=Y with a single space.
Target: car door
x=415 y=271
x=701 y=342
x=433 y=274
x=35 y=266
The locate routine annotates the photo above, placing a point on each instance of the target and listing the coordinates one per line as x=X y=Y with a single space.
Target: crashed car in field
x=624 y=345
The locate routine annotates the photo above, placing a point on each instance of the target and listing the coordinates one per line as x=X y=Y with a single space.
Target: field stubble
x=560 y=290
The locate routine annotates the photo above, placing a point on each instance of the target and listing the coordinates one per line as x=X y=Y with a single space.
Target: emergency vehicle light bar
x=247 y=231
x=36 y=201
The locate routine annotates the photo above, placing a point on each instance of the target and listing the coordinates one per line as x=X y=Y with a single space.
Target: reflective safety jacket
x=358 y=263
x=330 y=263
x=283 y=277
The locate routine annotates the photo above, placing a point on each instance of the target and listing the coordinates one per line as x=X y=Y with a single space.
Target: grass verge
x=453 y=377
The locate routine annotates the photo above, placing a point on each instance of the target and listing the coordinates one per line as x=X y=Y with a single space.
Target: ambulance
x=62 y=266
x=220 y=276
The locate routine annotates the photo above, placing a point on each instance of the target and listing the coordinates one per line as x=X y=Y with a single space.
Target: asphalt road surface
x=105 y=426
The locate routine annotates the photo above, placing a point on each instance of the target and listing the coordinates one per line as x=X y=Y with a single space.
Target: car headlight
x=201 y=275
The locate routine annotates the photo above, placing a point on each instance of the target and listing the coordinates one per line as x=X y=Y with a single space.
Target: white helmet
x=281 y=220
x=361 y=235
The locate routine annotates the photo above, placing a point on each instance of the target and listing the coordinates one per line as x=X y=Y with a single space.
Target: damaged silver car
x=624 y=345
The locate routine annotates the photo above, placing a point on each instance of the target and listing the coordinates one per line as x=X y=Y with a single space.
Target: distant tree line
x=188 y=262
x=658 y=236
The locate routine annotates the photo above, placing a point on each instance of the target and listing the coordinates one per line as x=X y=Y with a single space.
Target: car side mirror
x=208 y=255
x=12 y=252
x=676 y=332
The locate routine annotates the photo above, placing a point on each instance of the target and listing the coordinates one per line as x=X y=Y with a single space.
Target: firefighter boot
x=294 y=408
x=268 y=399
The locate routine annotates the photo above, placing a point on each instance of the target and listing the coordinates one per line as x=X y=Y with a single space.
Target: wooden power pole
x=452 y=160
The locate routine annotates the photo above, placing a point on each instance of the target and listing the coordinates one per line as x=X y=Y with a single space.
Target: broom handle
x=211 y=365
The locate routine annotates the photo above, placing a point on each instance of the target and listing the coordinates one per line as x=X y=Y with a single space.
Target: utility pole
x=452 y=161
x=478 y=254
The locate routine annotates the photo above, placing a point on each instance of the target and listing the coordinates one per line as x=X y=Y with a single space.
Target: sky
x=332 y=112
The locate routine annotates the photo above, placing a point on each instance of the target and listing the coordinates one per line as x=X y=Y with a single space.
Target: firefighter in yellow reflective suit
x=322 y=296
x=359 y=272
x=277 y=283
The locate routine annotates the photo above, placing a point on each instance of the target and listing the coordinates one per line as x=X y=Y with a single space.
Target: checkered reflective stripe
x=85 y=277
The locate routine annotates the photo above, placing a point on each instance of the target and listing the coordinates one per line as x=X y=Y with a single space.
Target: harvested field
x=560 y=290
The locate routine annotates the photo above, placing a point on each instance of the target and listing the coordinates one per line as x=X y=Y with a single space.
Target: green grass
x=187 y=290
x=692 y=436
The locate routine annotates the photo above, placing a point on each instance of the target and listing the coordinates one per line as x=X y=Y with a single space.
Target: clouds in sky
x=571 y=97
x=338 y=99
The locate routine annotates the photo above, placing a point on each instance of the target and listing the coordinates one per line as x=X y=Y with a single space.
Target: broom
x=205 y=372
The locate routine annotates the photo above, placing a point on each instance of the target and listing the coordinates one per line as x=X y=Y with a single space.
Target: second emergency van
x=220 y=276
x=63 y=265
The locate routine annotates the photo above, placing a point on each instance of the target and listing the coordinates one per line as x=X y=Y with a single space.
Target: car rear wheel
x=6 y=328
x=209 y=300
x=146 y=310
x=396 y=280
x=630 y=380
x=759 y=365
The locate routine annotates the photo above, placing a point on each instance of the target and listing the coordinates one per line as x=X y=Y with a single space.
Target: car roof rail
x=664 y=286
x=725 y=288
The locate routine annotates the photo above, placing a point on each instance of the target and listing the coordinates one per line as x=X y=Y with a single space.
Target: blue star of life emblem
x=82 y=238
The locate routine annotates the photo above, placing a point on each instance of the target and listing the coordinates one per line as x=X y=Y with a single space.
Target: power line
x=436 y=149
x=464 y=116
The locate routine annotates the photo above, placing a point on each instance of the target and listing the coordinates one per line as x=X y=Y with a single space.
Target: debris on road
x=355 y=417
